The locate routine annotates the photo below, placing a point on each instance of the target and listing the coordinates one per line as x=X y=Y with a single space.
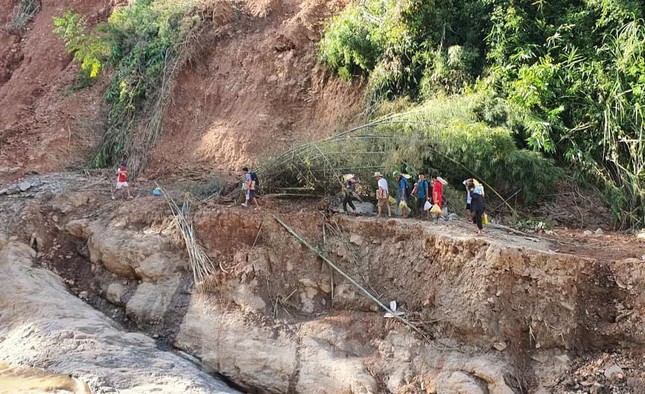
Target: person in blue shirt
x=402 y=193
x=422 y=192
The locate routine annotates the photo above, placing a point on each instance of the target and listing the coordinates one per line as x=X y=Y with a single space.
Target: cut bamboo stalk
x=352 y=281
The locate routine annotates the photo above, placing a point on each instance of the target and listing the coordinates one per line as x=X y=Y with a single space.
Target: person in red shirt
x=122 y=180
x=437 y=192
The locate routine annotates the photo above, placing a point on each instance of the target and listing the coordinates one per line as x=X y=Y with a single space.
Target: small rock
x=356 y=239
x=587 y=232
x=55 y=219
x=272 y=78
x=563 y=359
x=614 y=372
x=12 y=190
x=3 y=191
x=24 y=186
x=83 y=295
x=501 y=346
x=599 y=231
x=596 y=388
x=125 y=282
x=453 y=216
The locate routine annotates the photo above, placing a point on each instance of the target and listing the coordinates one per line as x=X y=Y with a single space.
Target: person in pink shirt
x=437 y=191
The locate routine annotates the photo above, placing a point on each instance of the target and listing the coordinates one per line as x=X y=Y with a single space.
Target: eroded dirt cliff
x=251 y=88
x=504 y=313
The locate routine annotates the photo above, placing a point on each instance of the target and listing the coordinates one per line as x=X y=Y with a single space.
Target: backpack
x=426 y=185
x=408 y=189
x=254 y=178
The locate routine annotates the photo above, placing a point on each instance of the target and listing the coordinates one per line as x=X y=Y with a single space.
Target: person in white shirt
x=382 y=195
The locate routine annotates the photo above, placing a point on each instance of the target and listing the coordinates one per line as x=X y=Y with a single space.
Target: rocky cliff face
x=500 y=314
x=45 y=326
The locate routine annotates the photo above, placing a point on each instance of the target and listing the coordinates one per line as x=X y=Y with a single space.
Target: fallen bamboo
x=200 y=264
x=352 y=281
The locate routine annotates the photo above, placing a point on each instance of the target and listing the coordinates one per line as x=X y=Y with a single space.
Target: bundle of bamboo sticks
x=200 y=264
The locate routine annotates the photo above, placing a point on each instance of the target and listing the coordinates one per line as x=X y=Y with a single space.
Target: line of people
x=427 y=196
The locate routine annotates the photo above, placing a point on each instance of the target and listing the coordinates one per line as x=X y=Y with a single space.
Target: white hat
x=376 y=174
x=347 y=177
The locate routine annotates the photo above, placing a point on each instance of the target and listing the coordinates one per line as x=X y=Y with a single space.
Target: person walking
x=250 y=183
x=478 y=205
x=422 y=192
x=348 y=192
x=469 y=185
x=382 y=194
x=437 y=191
x=402 y=193
x=122 y=180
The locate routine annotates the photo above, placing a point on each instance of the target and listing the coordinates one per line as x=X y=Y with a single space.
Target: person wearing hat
x=348 y=191
x=477 y=205
x=382 y=194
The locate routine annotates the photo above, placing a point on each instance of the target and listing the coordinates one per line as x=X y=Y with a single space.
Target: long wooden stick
x=352 y=281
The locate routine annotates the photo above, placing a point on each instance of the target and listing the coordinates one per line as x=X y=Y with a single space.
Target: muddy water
x=19 y=380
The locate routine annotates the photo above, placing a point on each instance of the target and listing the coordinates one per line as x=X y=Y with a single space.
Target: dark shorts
x=420 y=203
x=251 y=194
x=468 y=207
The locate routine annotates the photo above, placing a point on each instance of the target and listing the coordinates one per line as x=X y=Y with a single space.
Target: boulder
x=121 y=252
x=159 y=266
x=115 y=292
x=250 y=355
x=47 y=327
x=78 y=228
x=150 y=302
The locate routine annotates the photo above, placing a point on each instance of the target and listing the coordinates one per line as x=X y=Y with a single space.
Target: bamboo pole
x=352 y=281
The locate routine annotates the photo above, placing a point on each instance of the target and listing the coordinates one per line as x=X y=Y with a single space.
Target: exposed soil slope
x=256 y=90
x=252 y=88
x=42 y=125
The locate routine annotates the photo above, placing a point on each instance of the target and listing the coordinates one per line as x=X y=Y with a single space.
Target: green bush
x=442 y=136
x=141 y=43
x=350 y=46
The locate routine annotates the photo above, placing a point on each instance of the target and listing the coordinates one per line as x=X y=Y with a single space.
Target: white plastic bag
x=427 y=206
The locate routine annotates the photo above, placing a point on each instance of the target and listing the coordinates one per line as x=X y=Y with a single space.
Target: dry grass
x=27 y=9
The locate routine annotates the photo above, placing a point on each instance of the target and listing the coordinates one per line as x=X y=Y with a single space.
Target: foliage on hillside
x=439 y=137
x=142 y=44
x=568 y=77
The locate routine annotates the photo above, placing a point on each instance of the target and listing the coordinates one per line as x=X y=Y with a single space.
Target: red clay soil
x=255 y=90
x=42 y=126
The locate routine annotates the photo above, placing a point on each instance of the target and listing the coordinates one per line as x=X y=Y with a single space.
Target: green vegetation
x=441 y=136
x=566 y=78
x=142 y=43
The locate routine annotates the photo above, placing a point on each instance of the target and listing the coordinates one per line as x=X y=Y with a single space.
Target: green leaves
x=141 y=43
x=89 y=50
